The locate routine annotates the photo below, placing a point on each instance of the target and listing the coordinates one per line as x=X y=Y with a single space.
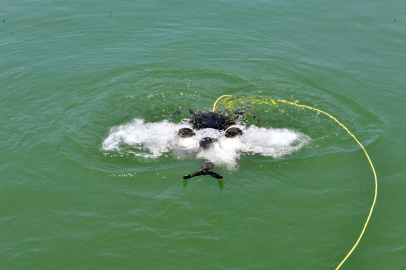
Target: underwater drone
x=221 y=121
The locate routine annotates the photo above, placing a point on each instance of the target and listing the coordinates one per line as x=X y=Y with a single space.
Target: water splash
x=152 y=140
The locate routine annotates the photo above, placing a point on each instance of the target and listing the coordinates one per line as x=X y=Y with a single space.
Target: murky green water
x=72 y=71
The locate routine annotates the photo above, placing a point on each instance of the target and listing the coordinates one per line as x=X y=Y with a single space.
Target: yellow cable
x=214 y=106
x=363 y=148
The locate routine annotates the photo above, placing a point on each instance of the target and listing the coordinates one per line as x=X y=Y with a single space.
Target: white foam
x=151 y=140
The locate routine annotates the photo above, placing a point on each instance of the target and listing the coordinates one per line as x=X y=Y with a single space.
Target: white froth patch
x=151 y=140
x=273 y=142
x=226 y=151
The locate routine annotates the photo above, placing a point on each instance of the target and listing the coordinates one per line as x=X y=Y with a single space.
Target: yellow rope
x=214 y=106
x=363 y=148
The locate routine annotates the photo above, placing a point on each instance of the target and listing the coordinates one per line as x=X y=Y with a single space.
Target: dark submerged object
x=186 y=133
x=216 y=120
x=206 y=170
x=206 y=142
x=233 y=132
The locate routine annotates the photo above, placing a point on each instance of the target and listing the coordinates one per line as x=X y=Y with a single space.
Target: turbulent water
x=151 y=140
x=91 y=166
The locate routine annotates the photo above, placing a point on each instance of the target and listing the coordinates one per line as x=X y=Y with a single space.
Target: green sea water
x=72 y=72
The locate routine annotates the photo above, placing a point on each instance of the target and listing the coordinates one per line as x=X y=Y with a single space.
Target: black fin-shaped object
x=206 y=170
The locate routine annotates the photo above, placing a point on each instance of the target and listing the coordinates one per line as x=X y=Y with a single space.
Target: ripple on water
x=128 y=121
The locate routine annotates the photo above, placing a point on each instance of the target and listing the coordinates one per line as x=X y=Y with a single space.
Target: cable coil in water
x=274 y=102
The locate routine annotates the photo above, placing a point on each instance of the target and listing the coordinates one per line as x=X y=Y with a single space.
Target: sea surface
x=93 y=93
